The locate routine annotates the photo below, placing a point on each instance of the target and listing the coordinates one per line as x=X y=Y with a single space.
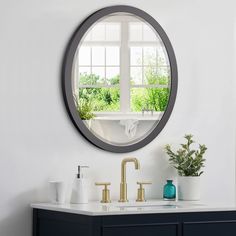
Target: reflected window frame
x=124 y=43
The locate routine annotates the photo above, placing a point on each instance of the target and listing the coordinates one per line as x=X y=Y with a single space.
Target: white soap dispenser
x=80 y=188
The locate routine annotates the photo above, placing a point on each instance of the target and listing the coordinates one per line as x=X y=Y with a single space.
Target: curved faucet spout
x=123 y=167
x=123 y=184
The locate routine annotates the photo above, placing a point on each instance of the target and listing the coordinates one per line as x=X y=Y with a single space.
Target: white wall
x=37 y=139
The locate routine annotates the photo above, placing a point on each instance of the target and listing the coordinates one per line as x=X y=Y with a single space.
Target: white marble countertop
x=150 y=207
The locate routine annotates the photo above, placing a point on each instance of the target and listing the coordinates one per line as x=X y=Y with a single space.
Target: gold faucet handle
x=141 y=191
x=143 y=182
x=102 y=184
x=105 y=192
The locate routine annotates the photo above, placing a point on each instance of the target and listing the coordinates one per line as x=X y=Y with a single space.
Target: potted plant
x=189 y=163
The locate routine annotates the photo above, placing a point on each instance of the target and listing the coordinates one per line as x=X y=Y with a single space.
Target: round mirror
x=119 y=78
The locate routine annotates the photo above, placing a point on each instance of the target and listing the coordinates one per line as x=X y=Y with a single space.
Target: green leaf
x=188 y=162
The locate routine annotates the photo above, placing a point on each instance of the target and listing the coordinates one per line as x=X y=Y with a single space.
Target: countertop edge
x=60 y=208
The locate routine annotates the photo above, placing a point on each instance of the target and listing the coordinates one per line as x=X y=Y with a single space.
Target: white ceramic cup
x=57 y=192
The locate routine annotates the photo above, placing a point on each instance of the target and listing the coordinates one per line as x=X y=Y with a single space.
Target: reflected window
x=121 y=66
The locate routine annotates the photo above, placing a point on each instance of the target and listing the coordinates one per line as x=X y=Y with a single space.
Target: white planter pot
x=189 y=188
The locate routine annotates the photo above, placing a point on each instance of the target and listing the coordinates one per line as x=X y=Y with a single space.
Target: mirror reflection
x=121 y=79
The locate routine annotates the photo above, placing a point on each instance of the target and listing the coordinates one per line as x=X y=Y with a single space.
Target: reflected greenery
x=84 y=108
x=152 y=98
x=101 y=98
x=107 y=99
x=155 y=99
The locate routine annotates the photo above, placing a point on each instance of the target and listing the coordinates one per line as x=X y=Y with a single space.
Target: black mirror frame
x=67 y=83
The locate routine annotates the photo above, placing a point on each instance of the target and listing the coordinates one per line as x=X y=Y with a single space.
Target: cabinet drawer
x=49 y=227
x=220 y=228
x=141 y=230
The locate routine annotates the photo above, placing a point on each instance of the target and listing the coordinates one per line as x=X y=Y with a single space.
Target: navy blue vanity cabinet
x=150 y=230
x=141 y=225
x=210 y=228
x=210 y=223
x=52 y=223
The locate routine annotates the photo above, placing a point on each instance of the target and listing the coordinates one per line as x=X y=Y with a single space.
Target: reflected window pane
x=149 y=56
x=149 y=33
x=163 y=71
x=101 y=99
x=135 y=56
x=98 y=32
x=164 y=81
x=84 y=56
x=138 y=99
x=89 y=79
x=83 y=73
x=150 y=75
x=98 y=56
x=112 y=31
x=100 y=72
x=135 y=31
x=113 y=75
x=88 y=36
x=136 y=75
x=162 y=58
x=84 y=70
x=112 y=56
x=155 y=99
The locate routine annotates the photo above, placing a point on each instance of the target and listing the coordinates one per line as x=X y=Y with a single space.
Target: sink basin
x=145 y=205
x=154 y=206
x=146 y=208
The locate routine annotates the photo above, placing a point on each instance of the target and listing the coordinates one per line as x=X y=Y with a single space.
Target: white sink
x=147 y=207
x=156 y=205
x=161 y=205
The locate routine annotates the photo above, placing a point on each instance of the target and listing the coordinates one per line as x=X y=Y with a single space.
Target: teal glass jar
x=169 y=192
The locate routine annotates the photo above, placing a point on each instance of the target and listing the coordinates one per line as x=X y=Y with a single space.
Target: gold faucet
x=123 y=184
